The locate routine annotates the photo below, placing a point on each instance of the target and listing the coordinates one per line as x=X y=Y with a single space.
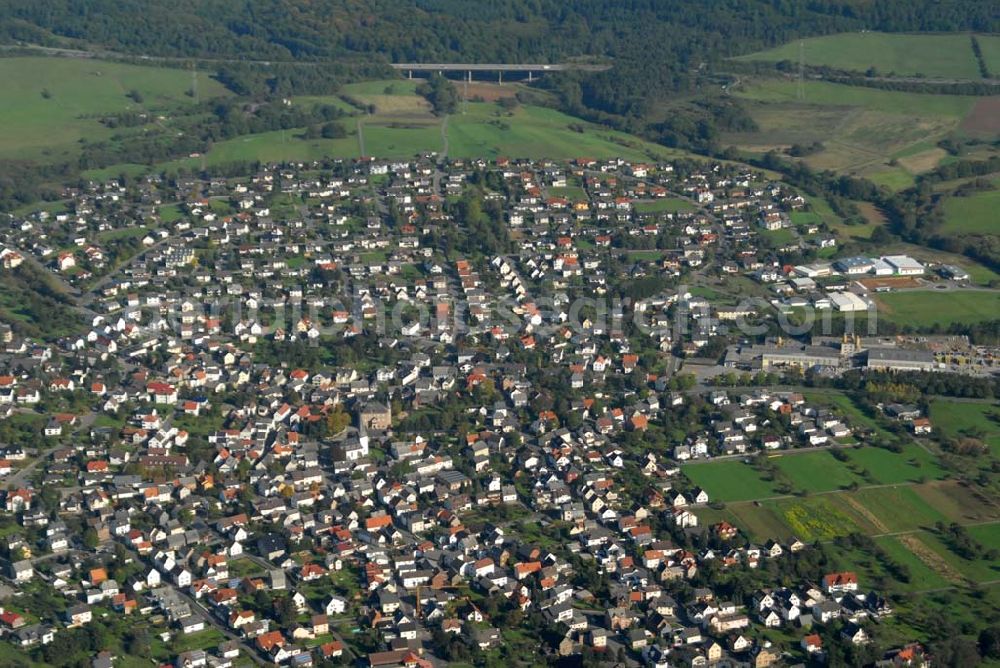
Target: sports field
x=943 y=56
x=49 y=104
x=664 y=205
x=922 y=308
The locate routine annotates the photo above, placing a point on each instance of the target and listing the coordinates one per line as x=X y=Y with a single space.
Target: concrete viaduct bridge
x=530 y=68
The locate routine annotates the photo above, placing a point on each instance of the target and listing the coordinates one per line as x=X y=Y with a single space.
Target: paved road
x=212 y=620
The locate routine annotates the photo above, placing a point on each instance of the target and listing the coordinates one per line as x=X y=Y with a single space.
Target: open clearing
x=897 y=508
x=816 y=471
x=49 y=104
x=887 y=136
x=922 y=308
x=990 y=46
x=945 y=56
x=827 y=94
x=984 y=119
x=922 y=576
x=932 y=559
x=403 y=126
x=959 y=503
x=974 y=214
x=913 y=464
x=873 y=511
x=821 y=517
x=729 y=481
x=664 y=205
x=968 y=418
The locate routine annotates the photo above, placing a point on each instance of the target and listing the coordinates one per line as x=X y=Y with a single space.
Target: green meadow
x=974 y=214
x=955 y=419
x=49 y=104
x=945 y=56
x=729 y=480
x=886 y=136
x=922 y=308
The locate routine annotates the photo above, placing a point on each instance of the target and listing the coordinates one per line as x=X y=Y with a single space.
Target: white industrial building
x=904 y=265
x=848 y=301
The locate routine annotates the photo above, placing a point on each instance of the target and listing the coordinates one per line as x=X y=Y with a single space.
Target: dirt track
x=931 y=558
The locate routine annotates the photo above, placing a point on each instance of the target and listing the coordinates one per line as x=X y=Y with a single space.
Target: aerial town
x=421 y=413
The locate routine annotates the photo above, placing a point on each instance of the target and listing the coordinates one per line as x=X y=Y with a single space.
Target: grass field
x=887 y=136
x=572 y=193
x=892 y=509
x=402 y=126
x=960 y=503
x=818 y=518
x=956 y=418
x=922 y=576
x=816 y=471
x=664 y=205
x=729 y=480
x=874 y=511
x=990 y=46
x=948 y=562
x=825 y=94
x=947 y=56
x=49 y=104
x=975 y=214
x=913 y=464
x=922 y=308
x=537 y=132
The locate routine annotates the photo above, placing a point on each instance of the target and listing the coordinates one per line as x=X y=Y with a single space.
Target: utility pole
x=800 y=90
x=465 y=94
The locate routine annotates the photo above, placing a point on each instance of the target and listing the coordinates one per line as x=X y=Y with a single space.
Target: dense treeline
x=285 y=79
x=441 y=94
x=927 y=382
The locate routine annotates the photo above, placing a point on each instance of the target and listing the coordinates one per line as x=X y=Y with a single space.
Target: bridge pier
x=529 y=76
x=499 y=77
x=409 y=74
